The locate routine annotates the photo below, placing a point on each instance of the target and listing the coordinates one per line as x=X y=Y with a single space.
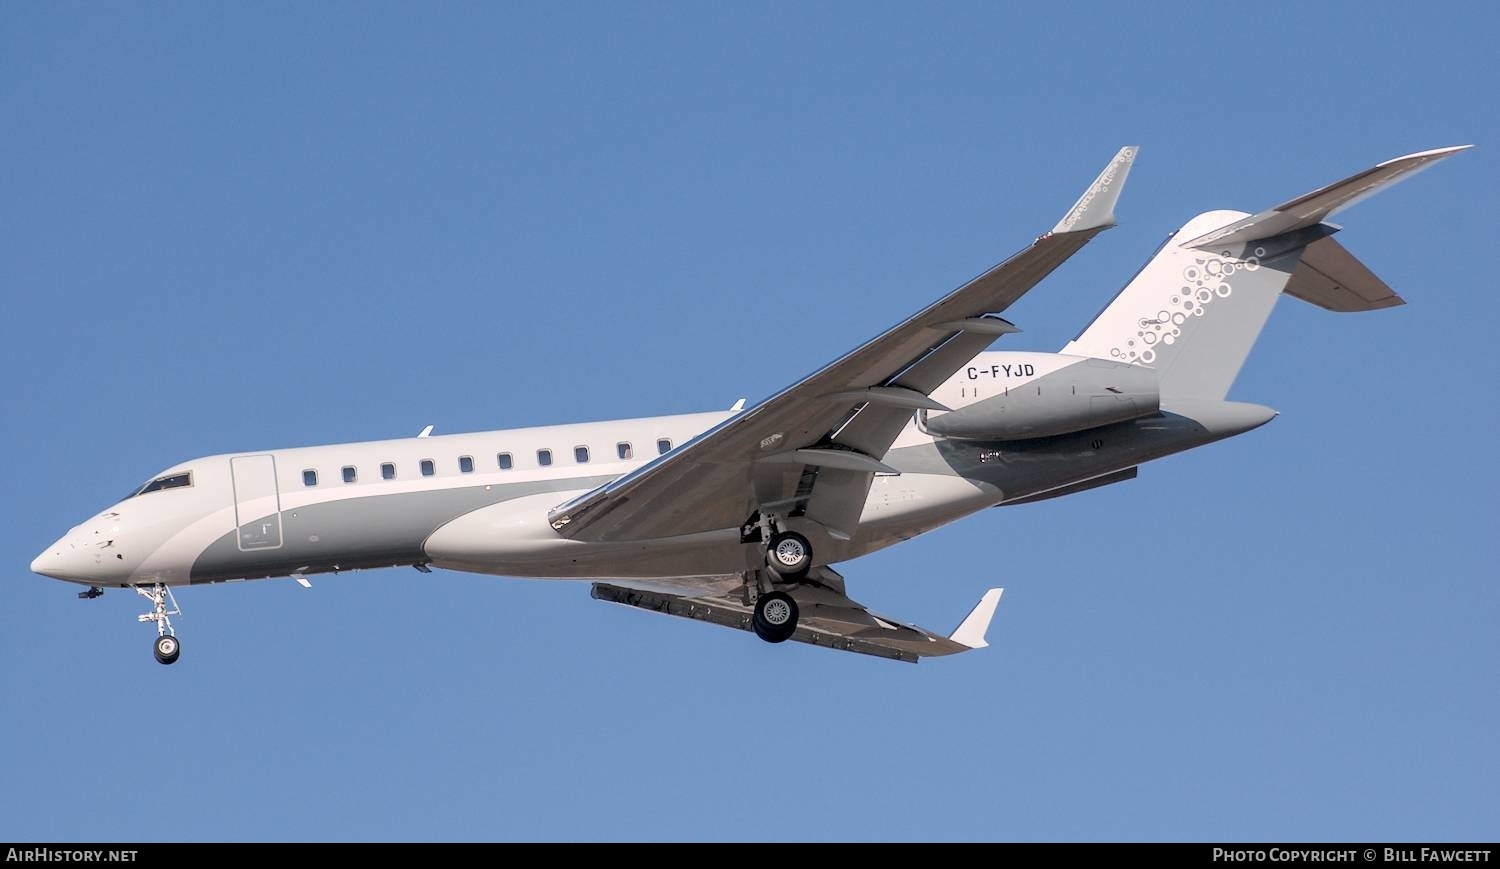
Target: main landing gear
x=788 y=560
x=163 y=605
x=788 y=557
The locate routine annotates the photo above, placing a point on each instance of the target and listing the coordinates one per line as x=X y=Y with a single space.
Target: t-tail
x=1195 y=309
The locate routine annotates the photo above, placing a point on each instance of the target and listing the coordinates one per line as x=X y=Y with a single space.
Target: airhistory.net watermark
x=65 y=855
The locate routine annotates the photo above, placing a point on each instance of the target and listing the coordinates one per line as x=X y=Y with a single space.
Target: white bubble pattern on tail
x=1207 y=279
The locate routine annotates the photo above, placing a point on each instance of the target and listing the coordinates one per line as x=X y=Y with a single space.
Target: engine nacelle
x=1087 y=394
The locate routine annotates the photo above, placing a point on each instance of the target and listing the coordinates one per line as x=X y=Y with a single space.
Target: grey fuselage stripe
x=369 y=531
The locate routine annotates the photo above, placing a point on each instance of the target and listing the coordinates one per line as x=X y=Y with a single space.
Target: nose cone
x=65 y=560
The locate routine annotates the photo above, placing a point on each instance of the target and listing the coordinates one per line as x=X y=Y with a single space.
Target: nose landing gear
x=163 y=605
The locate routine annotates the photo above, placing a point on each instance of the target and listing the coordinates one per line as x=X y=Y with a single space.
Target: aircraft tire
x=789 y=555
x=775 y=617
x=167 y=649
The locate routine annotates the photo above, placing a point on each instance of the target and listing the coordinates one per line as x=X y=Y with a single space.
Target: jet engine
x=1085 y=395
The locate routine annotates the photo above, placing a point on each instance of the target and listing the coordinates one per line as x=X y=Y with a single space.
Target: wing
x=813 y=448
x=828 y=617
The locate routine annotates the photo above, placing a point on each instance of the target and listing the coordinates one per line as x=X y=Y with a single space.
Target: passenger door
x=257 y=502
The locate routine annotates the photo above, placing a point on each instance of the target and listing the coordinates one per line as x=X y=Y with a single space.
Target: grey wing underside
x=813 y=448
x=828 y=618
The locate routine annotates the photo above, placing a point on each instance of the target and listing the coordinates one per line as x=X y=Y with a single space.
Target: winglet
x=977 y=622
x=425 y=432
x=1095 y=209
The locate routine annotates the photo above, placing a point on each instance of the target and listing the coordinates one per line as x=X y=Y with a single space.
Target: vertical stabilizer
x=1194 y=314
x=1194 y=311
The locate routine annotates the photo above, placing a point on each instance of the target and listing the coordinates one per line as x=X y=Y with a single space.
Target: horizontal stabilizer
x=1319 y=205
x=1095 y=209
x=1329 y=276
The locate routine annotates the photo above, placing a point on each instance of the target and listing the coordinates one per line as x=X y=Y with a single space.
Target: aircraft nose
x=62 y=560
x=49 y=561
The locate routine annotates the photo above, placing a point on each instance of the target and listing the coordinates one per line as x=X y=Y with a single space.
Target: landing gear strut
x=163 y=605
x=775 y=617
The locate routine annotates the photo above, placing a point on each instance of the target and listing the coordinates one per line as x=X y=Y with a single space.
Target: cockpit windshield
x=170 y=481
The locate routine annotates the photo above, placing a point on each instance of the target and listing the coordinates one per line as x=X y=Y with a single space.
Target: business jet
x=737 y=517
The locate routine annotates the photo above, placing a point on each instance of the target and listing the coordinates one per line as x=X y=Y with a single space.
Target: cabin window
x=428 y=469
x=624 y=450
x=581 y=455
x=544 y=457
x=466 y=464
x=309 y=477
x=388 y=471
x=170 y=481
x=505 y=461
x=664 y=446
x=350 y=475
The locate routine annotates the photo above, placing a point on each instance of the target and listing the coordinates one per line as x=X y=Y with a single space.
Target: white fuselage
x=478 y=502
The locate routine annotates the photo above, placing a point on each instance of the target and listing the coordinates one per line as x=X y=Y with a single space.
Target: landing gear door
x=257 y=503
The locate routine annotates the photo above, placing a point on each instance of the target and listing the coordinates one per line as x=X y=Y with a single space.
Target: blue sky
x=239 y=227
